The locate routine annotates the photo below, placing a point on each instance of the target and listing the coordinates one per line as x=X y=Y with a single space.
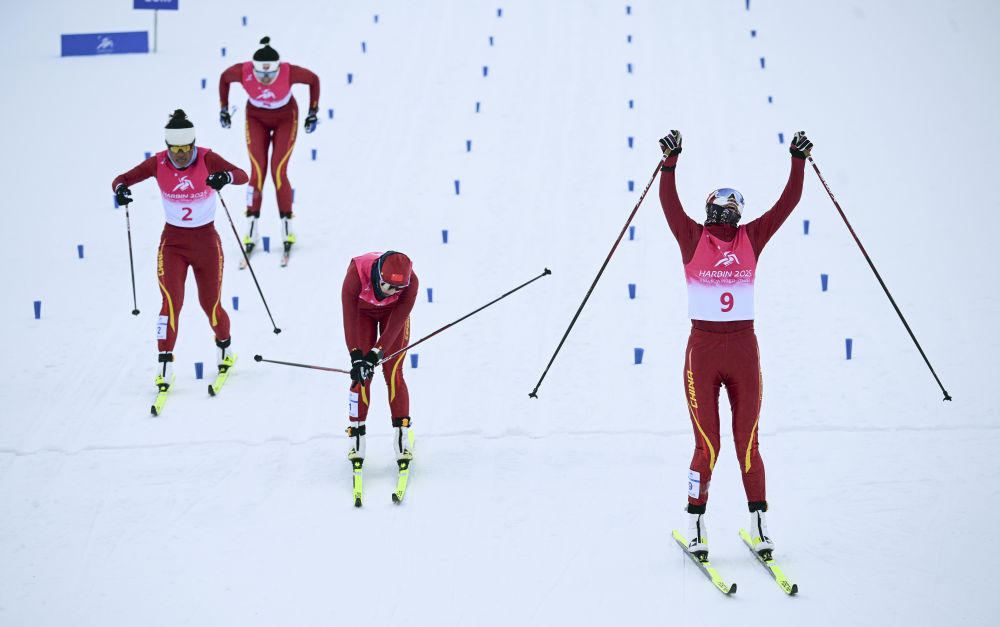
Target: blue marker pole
x=413 y=360
x=456 y=187
x=236 y=303
x=199 y=369
x=430 y=294
x=850 y=345
x=805 y=227
x=267 y=244
x=444 y=236
x=79 y=250
x=823 y=280
x=638 y=355
x=631 y=290
x=38 y=309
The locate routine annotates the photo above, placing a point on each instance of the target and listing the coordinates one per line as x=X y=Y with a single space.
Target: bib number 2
x=187 y=214
x=727 y=301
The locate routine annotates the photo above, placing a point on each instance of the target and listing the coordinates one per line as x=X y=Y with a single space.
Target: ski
x=285 y=254
x=358 y=490
x=768 y=562
x=404 y=473
x=161 y=398
x=220 y=379
x=705 y=566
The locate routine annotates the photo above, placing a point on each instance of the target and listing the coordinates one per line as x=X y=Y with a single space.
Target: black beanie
x=267 y=53
x=179 y=130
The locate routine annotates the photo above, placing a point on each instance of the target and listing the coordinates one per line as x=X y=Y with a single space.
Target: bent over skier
x=720 y=264
x=377 y=296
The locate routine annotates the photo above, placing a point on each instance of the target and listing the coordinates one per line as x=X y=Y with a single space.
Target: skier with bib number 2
x=720 y=265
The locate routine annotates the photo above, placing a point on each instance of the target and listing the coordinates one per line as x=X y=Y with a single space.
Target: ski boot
x=224 y=355
x=762 y=544
x=697 y=535
x=165 y=371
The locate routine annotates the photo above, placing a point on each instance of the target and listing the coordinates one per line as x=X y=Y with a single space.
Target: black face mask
x=716 y=214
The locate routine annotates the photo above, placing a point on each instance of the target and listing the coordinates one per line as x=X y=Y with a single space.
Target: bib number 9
x=727 y=301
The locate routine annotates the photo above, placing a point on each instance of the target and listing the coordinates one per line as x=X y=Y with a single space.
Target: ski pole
x=291 y=363
x=534 y=393
x=131 y=264
x=947 y=397
x=247 y=259
x=451 y=324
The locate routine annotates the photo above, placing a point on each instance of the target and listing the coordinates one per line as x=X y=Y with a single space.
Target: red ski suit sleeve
x=147 y=169
x=299 y=75
x=688 y=232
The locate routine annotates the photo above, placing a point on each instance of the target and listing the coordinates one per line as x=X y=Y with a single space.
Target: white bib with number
x=720 y=278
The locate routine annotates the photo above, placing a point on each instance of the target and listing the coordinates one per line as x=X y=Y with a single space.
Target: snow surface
x=236 y=510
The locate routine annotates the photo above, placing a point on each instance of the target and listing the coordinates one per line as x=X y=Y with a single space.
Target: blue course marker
x=629 y=39
x=314 y=154
x=781 y=138
x=753 y=33
x=430 y=294
x=485 y=70
x=413 y=360
x=491 y=40
x=444 y=236
x=244 y=20
x=456 y=187
x=823 y=280
x=805 y=227
x=629 y=66
x=849 y=344
x=631 y=104
x=199 y=369
x=499 y=12
x=631 y=186
x=770 y=99
x=628 y=10
x=79 y=250
x=223 y=51
x=148 y=155
x=631 y=290
x=376 y=18
x=236 y=303
x=330 y=113
x=630 y=139
x=468 y=145
x=267 y=244
x=203 y=83
x=38 y=309
x=363 y=47
x=350 y=78
x=638 y=355
x=631 y=232
x=762 y=63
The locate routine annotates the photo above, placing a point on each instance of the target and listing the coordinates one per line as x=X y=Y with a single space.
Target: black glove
x=311 y=120
x=671 y=144
x=357 y=363
x=224 y=118
x=369 y=362
x=218 y=180
x=801 y=146
x=123 y=195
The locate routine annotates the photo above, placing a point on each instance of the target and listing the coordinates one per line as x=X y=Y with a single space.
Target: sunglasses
x=260 y=74
x=177 y=149
x=725 y=194
x=395 y=288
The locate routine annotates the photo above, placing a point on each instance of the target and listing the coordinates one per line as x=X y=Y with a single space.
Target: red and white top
x=357 y=297
x=272 y=96
x=188 y=201
x=720 y=278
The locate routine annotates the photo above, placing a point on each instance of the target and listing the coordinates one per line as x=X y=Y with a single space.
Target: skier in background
x=377 y=296
x=271 y=121
x=187 y=175
x=720 y=264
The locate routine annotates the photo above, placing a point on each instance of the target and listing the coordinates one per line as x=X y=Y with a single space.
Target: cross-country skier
x=377 y=296
x=720 y=264
x=272 y=116
x=189 y=177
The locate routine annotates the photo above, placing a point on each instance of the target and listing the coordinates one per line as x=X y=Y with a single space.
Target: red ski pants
x=711 y=361
x=273 y=129
x=200 y=249
x=392 y=370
